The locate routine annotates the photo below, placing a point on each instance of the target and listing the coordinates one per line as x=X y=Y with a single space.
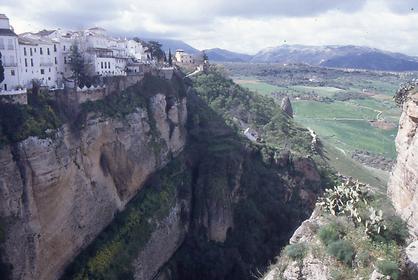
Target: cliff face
x=403 y=184
x=123 y=197
x=58 y=194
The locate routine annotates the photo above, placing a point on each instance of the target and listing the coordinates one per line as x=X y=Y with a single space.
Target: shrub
x=396 y=230
x=296 y=251
x=337 y=274
x=342 y=250
x=388 y=268
x=329 y=234
x=363 y=258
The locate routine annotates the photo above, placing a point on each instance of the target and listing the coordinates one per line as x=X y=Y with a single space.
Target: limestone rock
x=287 y=106
x=57 y=194
x=377 y=276
x=412 y=260
x=403 y=183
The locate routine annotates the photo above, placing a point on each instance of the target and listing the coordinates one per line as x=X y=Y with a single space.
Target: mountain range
x=355 y=57
x=334 y=56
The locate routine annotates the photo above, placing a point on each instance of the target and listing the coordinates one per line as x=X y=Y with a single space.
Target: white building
x=45 y=56
x=183 y=58
x=9 y=50
x=38 y=61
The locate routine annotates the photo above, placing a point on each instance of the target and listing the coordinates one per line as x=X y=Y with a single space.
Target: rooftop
x=7 y=32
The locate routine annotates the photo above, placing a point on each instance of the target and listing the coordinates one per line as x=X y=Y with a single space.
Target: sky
x=245 y=26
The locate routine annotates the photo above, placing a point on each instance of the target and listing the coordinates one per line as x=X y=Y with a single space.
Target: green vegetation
x=242 y=108
x=389 y=268
x=18 y=122
x=338 y=105
x=110 y=255
x=343 y=250
x=329 y=233
x=296 y=251
x=346 y=125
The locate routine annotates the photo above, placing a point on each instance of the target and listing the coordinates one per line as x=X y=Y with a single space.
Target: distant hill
x=222 y=55
x=339 y=57
x=174 y=45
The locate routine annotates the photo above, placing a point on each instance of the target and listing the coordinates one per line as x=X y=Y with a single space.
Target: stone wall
x=15 y=97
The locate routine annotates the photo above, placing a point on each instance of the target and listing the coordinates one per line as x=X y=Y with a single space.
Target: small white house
x=183 y=58
x=252 y=135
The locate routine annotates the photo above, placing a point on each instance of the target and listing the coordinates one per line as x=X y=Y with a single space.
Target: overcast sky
x=238 y=25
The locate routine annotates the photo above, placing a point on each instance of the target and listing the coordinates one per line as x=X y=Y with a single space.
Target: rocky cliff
x=403 y=183
x=158 y=183
x=57 y=194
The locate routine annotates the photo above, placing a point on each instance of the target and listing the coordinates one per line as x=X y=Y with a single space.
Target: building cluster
x=45 y=56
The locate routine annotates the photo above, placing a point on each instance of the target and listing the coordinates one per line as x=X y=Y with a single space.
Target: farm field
x=349 y=111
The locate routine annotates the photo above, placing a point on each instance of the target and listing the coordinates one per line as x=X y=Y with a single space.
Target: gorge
x=158 y=182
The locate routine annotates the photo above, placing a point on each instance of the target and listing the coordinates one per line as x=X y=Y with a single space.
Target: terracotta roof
x=7 y=32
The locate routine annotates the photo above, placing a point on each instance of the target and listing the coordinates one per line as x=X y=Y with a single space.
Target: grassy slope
x=345 y=124
x=339 y=136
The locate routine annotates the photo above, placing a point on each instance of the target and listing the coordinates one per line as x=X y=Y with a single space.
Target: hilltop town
x=50 y=58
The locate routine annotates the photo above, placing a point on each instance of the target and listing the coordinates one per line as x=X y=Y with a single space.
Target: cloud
x=287 y=8
x=402 y=6
x=246 y=25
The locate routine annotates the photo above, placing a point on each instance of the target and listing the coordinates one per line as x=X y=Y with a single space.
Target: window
x=5 y=87
x=12 y=72
x=55 y=48
x=47 y=51
x=65 y=60
x=108 y=65
x=49 y=70
x=55 y=59
x=30 y=51
x=40 y=51
x=24 y=51
x=31 y=62
x=64 y=47
x=1 y=44
x=49 y=78
x=26 y=62
x=10 y=45
x=101 y=64
x=42 y=71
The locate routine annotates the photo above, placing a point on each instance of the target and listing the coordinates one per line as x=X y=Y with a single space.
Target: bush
x=363 y=258
x=329 y=234
x=388 y=268
x=296 y=251
x=342 y=250
x=337 y=274
x=396 y=230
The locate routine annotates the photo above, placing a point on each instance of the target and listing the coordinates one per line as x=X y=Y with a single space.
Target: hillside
x=354 y=57
x=173 y=45
x=221 y=55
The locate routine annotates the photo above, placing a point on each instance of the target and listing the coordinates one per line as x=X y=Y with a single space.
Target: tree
x=1 y=70
x=170 y=58
x=205 y=57
x=156 y=50
x=77 y=65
